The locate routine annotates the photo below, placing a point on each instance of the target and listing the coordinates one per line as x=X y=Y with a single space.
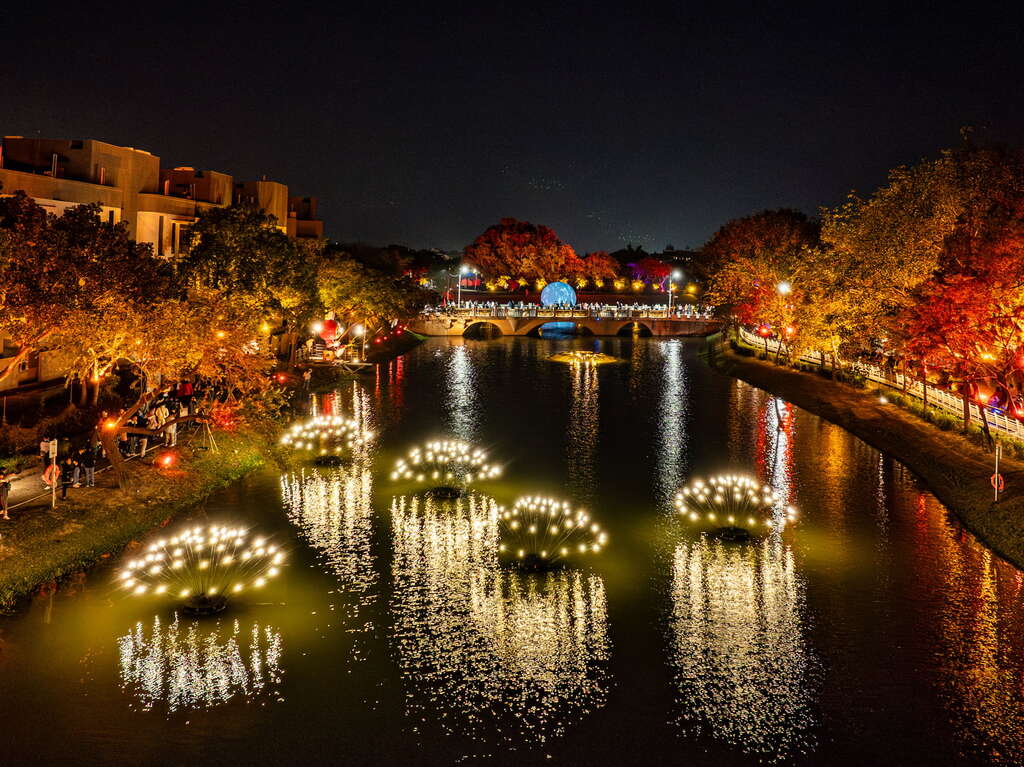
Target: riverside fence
x=939 y=398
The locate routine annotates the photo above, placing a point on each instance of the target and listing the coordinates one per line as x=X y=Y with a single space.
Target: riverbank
x=956 y=470
x=40 y=545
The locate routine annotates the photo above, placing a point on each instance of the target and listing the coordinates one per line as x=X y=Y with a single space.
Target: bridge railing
x=939 y=398
x=530 y=312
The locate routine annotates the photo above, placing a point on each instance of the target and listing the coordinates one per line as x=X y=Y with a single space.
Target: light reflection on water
x=582 y=432
x=875 y=631
x=672 y=422
x=461 y=393
x=737 y=647
x=333 y=511
x=189 y=664
x=485 y=652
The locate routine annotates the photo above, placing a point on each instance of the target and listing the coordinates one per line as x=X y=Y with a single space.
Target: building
x=159 y=205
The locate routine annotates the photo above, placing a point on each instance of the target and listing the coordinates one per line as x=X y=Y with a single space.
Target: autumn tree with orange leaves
x=521 y=249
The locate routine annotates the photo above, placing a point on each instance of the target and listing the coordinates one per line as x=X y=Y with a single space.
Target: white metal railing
x=602 y=313
x=943 y=400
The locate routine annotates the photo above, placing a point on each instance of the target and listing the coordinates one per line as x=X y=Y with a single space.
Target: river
x=873 y=631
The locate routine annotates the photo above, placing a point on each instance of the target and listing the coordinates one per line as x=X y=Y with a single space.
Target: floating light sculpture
x=326 y=437
x=581 y=357
x=733 y=502
x=540 y=532
x=447 y=466
x=203 y=567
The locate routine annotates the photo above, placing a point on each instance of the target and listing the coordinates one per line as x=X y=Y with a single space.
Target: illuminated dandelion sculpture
x=735 y=506
x=326 y=437
x=448 y=466
x=203 y=567
x=581 y=357
x=543 y=532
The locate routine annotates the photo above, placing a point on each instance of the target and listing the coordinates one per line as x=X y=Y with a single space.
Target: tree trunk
x=967 y=409
x=984 y=426
x=924 y=395
x=94 y=397
x=109 y=439
x=83 y=392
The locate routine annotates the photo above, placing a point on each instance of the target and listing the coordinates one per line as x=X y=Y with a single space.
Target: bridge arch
x=482 y=329
x=627 y=328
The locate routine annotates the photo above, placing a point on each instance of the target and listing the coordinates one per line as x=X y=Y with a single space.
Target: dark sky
x=421 y=125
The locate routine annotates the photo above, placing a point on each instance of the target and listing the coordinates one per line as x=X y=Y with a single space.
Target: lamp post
x=358 y=330
x=674 y=276
x=462 y=271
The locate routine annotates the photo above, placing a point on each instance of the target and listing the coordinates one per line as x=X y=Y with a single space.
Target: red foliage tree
x=651 y=269
x=521 y=249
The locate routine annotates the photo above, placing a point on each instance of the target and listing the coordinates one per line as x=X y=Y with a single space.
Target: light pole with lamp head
x=676 y=275
x=462 y=270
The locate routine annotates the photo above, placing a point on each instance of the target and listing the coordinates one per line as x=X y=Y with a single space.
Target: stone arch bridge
x=522 y=322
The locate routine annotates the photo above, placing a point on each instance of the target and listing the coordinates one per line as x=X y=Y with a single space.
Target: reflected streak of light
x=743 y=670
x=190 y=665
x=582 y=433
x=460 y=378
x=334 y=512
x=487 y=653
x=980 y=674
x=671 y=415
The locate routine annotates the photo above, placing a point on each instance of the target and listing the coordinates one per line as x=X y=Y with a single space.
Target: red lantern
x=329 y=330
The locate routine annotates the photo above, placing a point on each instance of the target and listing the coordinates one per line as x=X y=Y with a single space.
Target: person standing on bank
x=5 y=492
x=88 y=460
x=67 y=475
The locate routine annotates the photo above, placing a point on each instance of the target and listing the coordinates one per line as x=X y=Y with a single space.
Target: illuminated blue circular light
x=557 y=293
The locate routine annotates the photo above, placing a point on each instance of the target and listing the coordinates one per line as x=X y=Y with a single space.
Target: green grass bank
x=41 y=546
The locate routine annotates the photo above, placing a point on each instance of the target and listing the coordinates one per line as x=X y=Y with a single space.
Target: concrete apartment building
x=159 y=205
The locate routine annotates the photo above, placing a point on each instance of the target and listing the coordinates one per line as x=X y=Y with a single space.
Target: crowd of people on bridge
x=597 y=310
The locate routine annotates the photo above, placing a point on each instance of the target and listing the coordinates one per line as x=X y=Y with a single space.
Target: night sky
x=422 y=126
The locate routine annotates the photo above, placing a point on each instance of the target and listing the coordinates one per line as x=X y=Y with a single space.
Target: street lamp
x=462 y=270
x=784 y=288
x=359 y=331
x=674 y=276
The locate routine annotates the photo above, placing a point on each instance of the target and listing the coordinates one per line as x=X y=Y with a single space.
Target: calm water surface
x=875 y=631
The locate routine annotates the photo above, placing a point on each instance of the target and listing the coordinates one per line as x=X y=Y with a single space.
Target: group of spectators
x=77 y=467
x=522 y=308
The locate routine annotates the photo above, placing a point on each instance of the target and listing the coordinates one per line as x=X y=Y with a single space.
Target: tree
x=779 y=236
x=652 y=270
x=600 y=266
x=206 y=335
x=59 y=274
x=522 y=249
x=967 y=321
x=240 y=252
x=358 y=293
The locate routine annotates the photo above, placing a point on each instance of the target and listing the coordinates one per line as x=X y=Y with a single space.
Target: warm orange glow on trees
x=522 y=249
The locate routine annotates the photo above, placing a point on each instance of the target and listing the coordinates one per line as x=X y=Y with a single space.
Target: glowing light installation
x=193 y=665
x=203 y=566
x=326 y=436
x=445 y=464
x=735 y=501
x=583 y=357
x=544 y=531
